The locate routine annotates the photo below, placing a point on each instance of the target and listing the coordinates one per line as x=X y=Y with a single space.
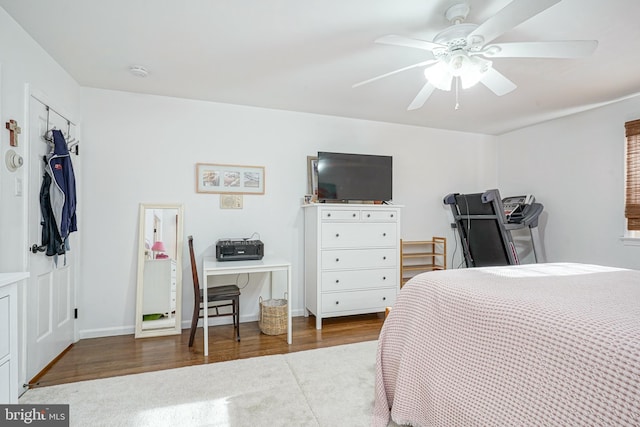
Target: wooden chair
x=217 y=297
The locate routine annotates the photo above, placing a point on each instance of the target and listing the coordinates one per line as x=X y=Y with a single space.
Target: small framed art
x=233 y=179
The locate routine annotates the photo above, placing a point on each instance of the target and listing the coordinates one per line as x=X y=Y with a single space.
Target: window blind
x=632 y=203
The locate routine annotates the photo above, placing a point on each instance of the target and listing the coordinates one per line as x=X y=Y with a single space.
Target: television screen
x=359 y=177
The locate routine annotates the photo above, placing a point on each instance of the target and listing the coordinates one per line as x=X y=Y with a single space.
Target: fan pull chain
x=457 y=93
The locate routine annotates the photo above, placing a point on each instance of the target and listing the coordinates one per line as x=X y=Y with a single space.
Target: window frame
x=632 y=182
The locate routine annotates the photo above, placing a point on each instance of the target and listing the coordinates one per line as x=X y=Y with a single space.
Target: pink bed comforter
x=530 y=345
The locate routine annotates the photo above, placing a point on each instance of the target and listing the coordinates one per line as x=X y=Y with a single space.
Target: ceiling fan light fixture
x=439 y=76
x=469 y=69
x=475 y=71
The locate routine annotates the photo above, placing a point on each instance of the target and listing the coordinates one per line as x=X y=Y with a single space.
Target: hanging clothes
x=51 y=241
x=58 y=197
x=63 y=187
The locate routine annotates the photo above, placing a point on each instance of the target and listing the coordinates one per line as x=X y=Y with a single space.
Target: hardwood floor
x=122 y=355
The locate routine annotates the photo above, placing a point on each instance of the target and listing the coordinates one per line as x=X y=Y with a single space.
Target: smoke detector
x=138 y=71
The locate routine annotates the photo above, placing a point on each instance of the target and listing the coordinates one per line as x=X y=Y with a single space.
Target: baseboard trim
x=106 y=332
x=186 y=324
x=34 y=381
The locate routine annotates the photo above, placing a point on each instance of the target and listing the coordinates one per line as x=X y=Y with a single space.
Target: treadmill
x=485 y=229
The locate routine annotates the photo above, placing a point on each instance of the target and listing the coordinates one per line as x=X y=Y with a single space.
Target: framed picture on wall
x=233 y=179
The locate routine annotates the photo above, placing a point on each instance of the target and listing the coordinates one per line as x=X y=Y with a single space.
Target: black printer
x=239 y=249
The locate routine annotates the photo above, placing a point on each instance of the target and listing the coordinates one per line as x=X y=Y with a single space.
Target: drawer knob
x=384 y=234
x=384 y=298
x=337 y=259
x=337 y=234
x=384 y=257
x=328 y=215
x=337 y=302
x=354 y=215
x=368 y=215
x=391 y=215
x=384 y=278
x=337 y=281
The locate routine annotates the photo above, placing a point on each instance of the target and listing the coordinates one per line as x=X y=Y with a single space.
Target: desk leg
x=289 y=337
x=205 y=318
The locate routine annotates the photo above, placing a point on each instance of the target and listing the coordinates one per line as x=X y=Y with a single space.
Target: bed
x=529 y=345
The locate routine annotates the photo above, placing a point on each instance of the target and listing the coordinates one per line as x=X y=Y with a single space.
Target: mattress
x=531 y=345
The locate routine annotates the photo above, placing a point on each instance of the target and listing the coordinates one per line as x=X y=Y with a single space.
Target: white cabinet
x=352 y=259
x=159 y=296
x=9 y=336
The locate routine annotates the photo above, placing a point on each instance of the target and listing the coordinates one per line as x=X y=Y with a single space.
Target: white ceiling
x=305 y=55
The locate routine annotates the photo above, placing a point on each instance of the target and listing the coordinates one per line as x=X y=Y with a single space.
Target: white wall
x=141 y=148
x=23 y=62
x=575 y=167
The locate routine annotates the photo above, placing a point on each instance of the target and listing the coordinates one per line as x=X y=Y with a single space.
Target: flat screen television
x=358 y=177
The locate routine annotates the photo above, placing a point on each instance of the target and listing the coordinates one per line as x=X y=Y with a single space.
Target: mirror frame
x=177 y=328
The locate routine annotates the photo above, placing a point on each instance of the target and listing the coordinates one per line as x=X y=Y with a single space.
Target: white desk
x=268 y=264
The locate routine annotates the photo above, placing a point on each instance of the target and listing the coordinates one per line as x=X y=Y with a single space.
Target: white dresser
x=352 y=259
x=9 y=336
x=159 y=295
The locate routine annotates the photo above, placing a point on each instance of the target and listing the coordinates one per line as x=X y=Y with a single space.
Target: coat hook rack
x=73 y=145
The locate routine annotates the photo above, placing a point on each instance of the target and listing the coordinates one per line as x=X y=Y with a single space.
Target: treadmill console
x=515 y=207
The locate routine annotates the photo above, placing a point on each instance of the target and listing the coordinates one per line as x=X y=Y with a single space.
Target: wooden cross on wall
x=14 y=131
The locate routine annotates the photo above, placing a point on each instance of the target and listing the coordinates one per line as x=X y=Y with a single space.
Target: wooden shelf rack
x=419 y=256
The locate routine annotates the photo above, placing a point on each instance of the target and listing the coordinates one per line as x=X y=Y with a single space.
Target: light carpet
x=332 y=386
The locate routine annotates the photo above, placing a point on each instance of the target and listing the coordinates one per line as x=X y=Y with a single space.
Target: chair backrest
x=194 y=271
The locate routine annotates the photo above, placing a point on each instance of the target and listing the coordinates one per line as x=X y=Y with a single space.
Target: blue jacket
x=63 y=186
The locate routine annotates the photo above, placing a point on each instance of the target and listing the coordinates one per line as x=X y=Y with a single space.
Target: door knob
x=36 y=248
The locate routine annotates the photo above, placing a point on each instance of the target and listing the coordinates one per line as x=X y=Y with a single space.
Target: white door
x=50 y=295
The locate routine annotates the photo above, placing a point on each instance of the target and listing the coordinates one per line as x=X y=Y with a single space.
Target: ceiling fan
x=460 y=52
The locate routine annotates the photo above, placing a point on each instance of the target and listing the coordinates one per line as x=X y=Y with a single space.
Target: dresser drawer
x=366 y=301
x=341 y=215
x=358 y=258
x=358 y=279
x=5 y=325
x=371 y=215
x=343 y=235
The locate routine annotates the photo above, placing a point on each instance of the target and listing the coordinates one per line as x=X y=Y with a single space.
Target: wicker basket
x=273 y=316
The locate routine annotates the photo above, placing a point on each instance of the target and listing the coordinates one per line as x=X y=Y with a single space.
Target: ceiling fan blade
x=421 y=97
x=497 y=82
x=551 y=49
x=511 y=15
x=419 y=64
x=409 y=42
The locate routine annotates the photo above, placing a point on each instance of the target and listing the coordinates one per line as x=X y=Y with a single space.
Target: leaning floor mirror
x=159 y=290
